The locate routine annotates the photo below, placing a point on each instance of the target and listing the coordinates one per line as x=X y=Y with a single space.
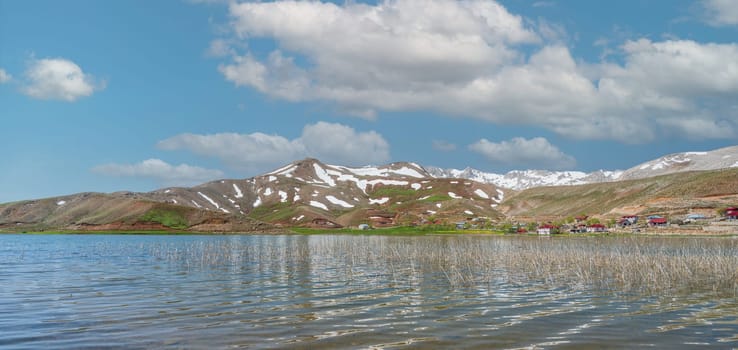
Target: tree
x=532 y=226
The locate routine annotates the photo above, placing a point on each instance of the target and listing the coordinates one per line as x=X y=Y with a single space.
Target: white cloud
x=443 y=146
x=159 y=170
x=721 y=12
x=329 y=142
x=219 y=48
x=476 y=59
x=5 y=76
x=535 y=152
x=238 y=150
x=58 y=79
x=343 y=145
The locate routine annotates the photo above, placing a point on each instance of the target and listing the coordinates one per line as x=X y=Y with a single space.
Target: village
x=724 y=221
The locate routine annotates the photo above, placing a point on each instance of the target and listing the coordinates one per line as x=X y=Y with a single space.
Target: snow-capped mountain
x=305 y=193
x=524 y=179
x=687 y=161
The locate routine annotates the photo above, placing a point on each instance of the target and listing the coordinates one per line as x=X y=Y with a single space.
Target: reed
x=622 y=265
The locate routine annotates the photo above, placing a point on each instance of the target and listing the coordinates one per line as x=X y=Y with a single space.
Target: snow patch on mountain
x=379 y=201
x=318 y=205
x=239 y=194
x=323 y=175
x=209 y=200
x=337 y=201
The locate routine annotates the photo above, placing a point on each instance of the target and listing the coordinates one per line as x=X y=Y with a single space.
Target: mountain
x=525 y=179
x=309 y=193
x=687 y=161
x=304 y=193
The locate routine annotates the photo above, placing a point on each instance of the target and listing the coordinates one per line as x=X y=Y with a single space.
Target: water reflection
x=366 y=292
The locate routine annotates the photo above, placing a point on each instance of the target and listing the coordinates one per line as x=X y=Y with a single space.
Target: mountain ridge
x=309 y=193
x=721 y=158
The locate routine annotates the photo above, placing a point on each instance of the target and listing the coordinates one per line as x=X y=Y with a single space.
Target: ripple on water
x=348 y=292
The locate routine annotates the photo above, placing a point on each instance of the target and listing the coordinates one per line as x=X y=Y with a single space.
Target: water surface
x=276 y=292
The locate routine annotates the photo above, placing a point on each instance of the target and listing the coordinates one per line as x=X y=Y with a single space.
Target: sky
x=136 y=95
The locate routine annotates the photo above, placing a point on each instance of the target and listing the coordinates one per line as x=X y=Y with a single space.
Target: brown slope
x=118 y=211
x=668 y=194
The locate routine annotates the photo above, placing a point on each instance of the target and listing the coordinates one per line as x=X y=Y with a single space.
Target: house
x=460 y=225
x=546 y=229
x=628 y=220
x=597 y=228
x=579 y=228
x=695 y=217
x=731 y=213
x=364 y=227
x=657 y=222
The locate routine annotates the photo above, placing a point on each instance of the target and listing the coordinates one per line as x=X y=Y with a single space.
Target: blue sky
x=136 y=95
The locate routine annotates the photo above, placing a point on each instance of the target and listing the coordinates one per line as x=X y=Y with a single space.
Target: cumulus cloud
x=721 y=12
x=161 y=171
x=536 y=152
x=5 y=76
x=476 y=59
x=58 y=79
x=328 y=142
x=343 y=145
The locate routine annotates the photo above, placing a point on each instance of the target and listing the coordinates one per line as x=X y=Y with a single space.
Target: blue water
x=323 y=292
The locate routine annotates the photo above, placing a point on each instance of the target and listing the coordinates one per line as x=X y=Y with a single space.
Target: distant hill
x=672 y=194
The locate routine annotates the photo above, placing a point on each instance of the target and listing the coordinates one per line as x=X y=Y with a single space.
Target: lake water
x=338 y=292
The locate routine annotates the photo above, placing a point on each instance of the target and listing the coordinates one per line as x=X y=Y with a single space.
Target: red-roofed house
x=731 y=213
x=628 y=220
x=658 y=222
x=596 y=228
x=546 y=229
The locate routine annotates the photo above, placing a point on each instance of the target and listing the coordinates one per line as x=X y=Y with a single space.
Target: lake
x=367 y=292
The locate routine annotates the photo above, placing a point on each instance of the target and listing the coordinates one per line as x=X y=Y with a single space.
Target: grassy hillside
x=668 y=194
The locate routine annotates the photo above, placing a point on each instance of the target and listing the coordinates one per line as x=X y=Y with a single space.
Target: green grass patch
x=387 y=191
x=167 y=217
x=436 y=198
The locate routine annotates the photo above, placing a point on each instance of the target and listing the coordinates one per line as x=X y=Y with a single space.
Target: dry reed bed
x=623 y=264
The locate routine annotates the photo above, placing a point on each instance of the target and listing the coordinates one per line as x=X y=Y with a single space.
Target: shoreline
x=394 y=231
